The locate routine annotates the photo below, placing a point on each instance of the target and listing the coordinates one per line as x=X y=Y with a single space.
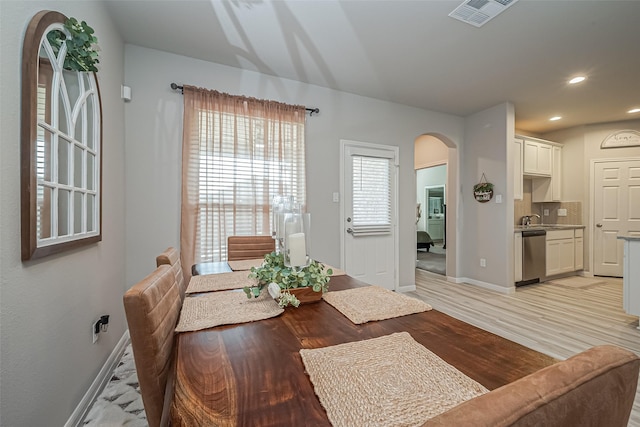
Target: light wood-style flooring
x=555 y=320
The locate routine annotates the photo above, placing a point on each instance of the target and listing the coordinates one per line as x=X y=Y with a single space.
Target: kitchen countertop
x=519 y=228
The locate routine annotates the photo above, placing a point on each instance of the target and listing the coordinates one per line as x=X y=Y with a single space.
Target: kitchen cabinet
x=560 y=256
x=517 y=256
x=537 y=158
x=579 y=249
x=549 y=189
x=516 y=160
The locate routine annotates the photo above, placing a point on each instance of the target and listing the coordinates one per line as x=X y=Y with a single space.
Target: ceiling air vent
x=479 y=12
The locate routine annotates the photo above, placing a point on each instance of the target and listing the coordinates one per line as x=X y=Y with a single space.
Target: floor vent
x=479 y=12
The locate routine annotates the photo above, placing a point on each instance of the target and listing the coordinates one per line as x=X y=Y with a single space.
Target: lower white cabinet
x=579 y=249
x=561 y=252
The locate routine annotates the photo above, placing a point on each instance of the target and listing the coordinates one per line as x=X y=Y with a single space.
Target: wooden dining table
x=251 y=374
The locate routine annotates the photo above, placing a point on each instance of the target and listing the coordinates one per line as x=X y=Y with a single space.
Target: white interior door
x=369 y=211
x=616 y=207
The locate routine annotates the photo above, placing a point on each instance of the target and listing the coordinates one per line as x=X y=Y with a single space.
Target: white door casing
x=369 y=252
x=616 y=211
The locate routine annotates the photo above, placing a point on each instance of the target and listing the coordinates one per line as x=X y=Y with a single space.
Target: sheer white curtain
x=237 y=153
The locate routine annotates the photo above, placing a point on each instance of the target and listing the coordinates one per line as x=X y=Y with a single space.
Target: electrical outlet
x=95 y=330
x=562 y=212
x=483 y=262
x=545 y=212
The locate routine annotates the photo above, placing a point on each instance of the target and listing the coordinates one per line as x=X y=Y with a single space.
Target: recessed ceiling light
x=577 y=79
x=634 y=110
x=554 y=118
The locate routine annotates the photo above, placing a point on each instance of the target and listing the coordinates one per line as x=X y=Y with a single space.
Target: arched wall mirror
x=61 y=147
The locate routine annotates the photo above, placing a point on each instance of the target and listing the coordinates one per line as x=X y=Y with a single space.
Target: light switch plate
x=336 y=197
x=498 y=198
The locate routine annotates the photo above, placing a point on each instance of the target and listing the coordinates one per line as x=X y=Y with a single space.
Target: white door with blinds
x=369 y=183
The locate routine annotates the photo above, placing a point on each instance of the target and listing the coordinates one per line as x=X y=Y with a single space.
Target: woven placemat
x=361 y=305
x=225 y=308
x=336 y=271
x=245 y=264
x=387 y=381
x=220 y=282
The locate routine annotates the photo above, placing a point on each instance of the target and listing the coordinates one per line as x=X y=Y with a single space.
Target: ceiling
x=413 y=53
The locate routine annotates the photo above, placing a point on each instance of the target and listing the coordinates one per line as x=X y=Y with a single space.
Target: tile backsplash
x=526 y=207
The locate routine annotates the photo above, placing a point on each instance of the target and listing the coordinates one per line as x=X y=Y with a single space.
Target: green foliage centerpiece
x=280 y=279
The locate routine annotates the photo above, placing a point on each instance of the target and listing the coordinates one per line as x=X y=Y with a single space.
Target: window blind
x=371 y=210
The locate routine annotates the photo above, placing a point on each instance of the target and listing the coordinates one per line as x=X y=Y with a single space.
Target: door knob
x=599 y=225
x=350 y=230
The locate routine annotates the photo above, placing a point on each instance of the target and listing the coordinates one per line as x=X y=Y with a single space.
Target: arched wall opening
x=432 y=149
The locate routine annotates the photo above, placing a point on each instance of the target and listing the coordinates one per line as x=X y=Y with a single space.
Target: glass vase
x=297 y=227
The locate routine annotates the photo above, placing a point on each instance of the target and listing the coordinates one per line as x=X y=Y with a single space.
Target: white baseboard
x=486 y=285
x=407 y=288
x=99 y=383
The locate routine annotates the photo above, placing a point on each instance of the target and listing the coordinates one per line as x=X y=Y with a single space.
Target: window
x=242 y=156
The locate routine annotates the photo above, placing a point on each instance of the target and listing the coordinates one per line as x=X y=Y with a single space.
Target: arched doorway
x=436 y=166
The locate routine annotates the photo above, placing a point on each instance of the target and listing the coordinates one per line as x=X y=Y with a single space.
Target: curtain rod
x=310 y=110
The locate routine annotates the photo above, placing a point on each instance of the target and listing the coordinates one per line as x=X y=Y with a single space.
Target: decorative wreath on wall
x=483 y=191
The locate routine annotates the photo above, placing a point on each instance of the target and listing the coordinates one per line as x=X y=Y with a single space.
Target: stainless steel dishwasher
x=534 y=258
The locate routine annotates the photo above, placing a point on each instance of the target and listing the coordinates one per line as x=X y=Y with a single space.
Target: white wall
x=154 y=134
x=487 y=228
x=47 y=357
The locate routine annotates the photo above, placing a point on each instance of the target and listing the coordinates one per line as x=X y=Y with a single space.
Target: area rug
x=387 y=381
x=220 y=282
x=361 y=305
x=577 y=282
x=120 y=403
x=432 y=261
x=225 y=308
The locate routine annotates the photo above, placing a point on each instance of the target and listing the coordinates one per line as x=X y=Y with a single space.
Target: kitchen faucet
x=526 y=220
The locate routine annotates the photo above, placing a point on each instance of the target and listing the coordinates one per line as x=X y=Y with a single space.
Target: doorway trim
x=592 y=208
x=344 y=144
x=452 y=162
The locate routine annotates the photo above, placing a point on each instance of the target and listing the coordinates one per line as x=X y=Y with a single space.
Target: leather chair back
x=171 y=257
x=152 y=307
x=249 y=247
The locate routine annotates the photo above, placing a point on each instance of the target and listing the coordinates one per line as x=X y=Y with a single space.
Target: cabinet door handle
x=599 y=225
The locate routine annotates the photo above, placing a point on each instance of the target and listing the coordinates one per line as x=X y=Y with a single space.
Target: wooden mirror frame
x=34 y=36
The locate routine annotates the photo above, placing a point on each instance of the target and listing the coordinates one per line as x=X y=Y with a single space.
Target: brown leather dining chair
x=171 y=257
x=152 y=307
x=249 y=247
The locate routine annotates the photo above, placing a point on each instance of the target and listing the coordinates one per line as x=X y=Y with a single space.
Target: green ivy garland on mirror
x=81 y=53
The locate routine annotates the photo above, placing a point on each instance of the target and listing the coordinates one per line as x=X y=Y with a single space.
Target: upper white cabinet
x=542 y=162
x=537 y=158
x=549 y=189
x=517 y=159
